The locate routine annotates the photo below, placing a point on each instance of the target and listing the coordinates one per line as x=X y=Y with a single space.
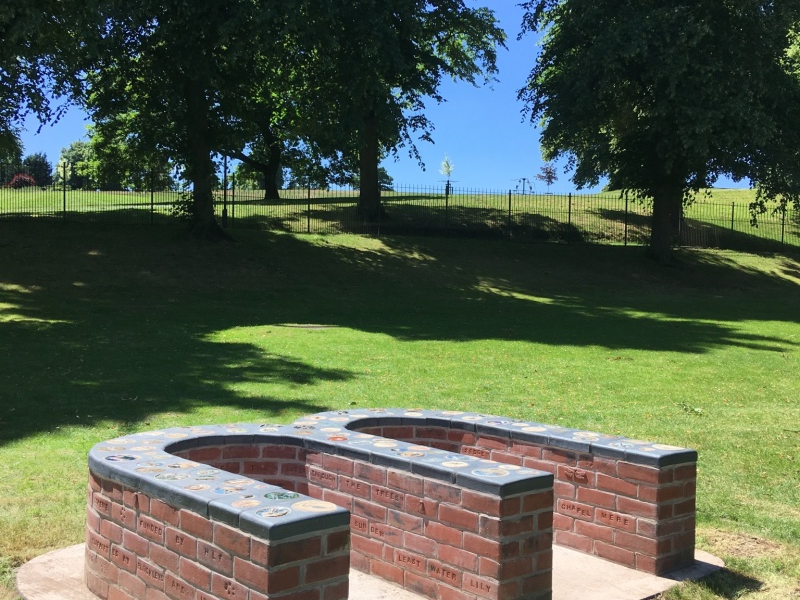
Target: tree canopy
x=663 y=98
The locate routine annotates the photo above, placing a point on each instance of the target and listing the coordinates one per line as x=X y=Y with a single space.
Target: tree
x=37 y=166
x=548 y=175
x=77 y=161
x=392 y=57
x=385 y=181
x=665 y=97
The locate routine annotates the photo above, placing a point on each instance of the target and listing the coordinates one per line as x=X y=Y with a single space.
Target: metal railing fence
x=566 y=218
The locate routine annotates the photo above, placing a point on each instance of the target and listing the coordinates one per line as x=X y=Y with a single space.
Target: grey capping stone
x=292 y=525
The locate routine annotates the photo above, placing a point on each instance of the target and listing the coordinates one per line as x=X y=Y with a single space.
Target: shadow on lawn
x=124 y=317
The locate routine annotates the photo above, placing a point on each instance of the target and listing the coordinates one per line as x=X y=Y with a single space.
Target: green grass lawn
x=117 y=329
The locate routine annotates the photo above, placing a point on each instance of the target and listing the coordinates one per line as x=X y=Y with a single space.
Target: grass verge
x=119 y=329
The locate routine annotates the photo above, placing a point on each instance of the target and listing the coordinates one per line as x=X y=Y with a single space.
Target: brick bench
x=453 y=506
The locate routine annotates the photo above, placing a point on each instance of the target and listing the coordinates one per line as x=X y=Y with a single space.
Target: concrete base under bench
x=576 y=576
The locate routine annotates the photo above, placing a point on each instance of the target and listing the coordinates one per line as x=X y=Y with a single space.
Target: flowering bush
x=21 y=180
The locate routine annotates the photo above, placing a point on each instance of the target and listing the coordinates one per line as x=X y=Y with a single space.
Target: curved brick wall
x=454 y=506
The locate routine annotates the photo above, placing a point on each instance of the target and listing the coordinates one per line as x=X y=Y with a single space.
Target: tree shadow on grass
x=129 y=319
x=729 y=584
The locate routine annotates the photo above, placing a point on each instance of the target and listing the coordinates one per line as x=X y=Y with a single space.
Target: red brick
x=354 y=487
x=661 y=494
x=387 y=496
x=332 y=591
x=386 y=533
x=295 y=551
x=597 y=498
x=638 y=473
x=92 y=519
x=480 y=586
x=687 y=507
x=387 y=571
x=442 y=492
x=164 y=512
x=164 y=558
x=96 y=585
x=490 y=505
x=404 y=521
x=196 y=525
x=152 y=575
x=420 y=506
x=180 y=542
x=461 y=437
x=421 y=585
x=150 y=528
x=195 y=574
x=102 y=567
x=336 y=542
x=177 y=588
x=329 y=568
x=564 y=489
x=405 y=482
x=409 y=560
x=132 y=584
x=123 y=515
x=338 y=464
x=563 y=522
x=541 y=465
x=112 y=490
x=259 y=469
x=516 y=567
x=685 y=472
x=594 y=531
x=430 y=433
x=444 y=573
x=617 y=555
x=419 y=543
x=557 y=455
x=322 y=477
x=616 y=485
x=574 y=509
x=368 y=546
x=253 y=575
x=98 y=544
x=479 y=545
x=442 y=533
x=203 y=455
x=95 y=482
x=111 y=531
x=232 y=540
x=399 y=432
x=458 y=557
x=123 y=559
x=115 y=593
x=506 y=458
x=101 y=504
x=246 y=451
x=537 y=501
x=476 y=451
x=573 y=540
x=614 y=519
x=342 y=500
x=459 y=517
x=214 y=558
x=225 y=587
x=638 y=508
x=369 y=510
x=135 y=543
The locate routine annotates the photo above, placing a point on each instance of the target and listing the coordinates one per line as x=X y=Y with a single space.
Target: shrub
x=21 y=180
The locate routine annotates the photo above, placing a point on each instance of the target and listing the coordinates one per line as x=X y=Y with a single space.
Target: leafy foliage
x=38 y=167
x=663 y=98
x=21 y=180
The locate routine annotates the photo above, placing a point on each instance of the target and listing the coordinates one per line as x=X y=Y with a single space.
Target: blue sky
x=481 y=129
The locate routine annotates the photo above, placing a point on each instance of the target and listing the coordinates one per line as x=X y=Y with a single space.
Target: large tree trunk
x=667 y=206
x=369 y=197
x=271 y=170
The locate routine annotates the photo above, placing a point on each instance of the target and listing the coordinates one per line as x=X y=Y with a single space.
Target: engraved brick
x=102 y=567
x=181 y=542
x=214 y=558
x=123 y=515
x=321 y=477
x=98 y=544
x=123 y=558
x=150 y=528
x=476 y=451
x=386 y=533
x=232 y=540
x=480 y=586
x=387 y=496
x=152 y=575
x=423 y=507
x=615 y=519
x=354 y=487
x=444 y=573
x=178 y=589
x=101 y=504
x=225 y=587
x=409 y=560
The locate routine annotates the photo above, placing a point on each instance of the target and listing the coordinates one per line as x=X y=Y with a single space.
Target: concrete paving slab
x=58 y=575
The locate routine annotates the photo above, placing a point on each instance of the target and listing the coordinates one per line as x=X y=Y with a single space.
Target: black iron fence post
x=783 y=224
x=224 y=192
x=733 y=215
x=152 y=196
x=569 y=209
x=626 y=220
x=233 y=197
x=510 y=219
x=308 y=209
x=64 y=188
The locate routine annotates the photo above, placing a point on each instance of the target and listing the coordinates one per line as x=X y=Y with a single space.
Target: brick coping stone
x=155 y=464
